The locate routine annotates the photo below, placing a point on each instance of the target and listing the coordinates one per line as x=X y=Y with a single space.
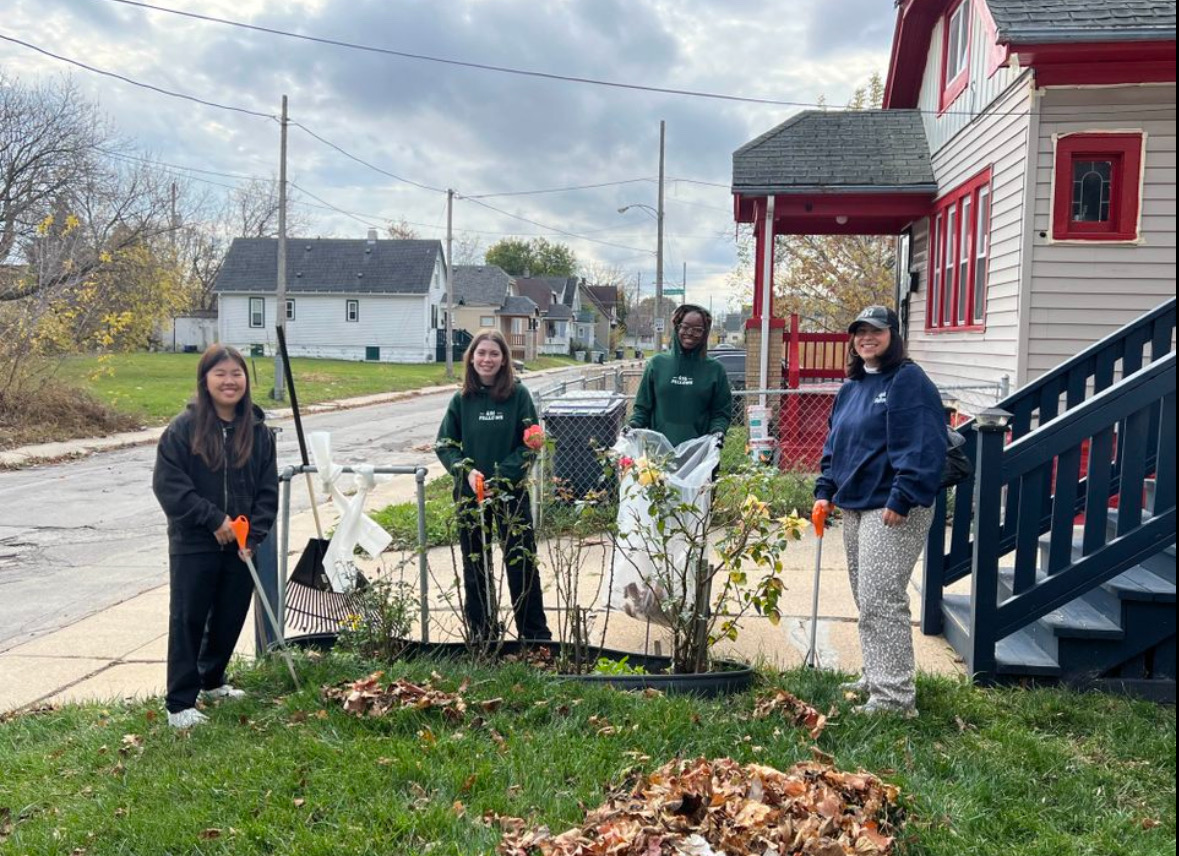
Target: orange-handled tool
x=819 y=521
x=241 y=531
x=480 y=489
x=484 y=534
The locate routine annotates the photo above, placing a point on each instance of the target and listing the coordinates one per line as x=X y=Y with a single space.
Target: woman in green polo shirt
x=482 y=438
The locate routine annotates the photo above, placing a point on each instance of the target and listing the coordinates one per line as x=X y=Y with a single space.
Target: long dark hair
x=206 y=433
x=505 y=380
x=895 y=354
x=677 y=318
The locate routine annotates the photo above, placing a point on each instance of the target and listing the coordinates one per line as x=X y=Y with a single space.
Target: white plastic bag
x=644 y=581
x=355 y=527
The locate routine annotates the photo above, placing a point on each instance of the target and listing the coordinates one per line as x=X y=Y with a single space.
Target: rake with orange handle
x=819 y=521
x=241 y=530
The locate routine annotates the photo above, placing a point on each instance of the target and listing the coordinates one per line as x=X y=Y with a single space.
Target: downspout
x=1028 y=246
x=767 y=301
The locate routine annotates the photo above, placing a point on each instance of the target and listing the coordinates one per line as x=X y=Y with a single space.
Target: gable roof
x=330 y=265
x=605 y=296
x=518 y=306
x=480 y=285
x=1082 y=20
x=540 y=289
x=853 y=150
x=1020 y=24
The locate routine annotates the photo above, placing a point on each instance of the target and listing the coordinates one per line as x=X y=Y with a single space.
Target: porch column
x=763 y=363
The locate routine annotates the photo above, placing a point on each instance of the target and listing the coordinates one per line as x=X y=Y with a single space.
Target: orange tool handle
x=241 y=529
x=480 y=489
x=819 y=518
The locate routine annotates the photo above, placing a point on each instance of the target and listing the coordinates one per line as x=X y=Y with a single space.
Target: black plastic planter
x=728 y=678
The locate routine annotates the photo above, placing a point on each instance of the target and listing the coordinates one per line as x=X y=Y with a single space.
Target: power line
x=557 y=189
x=363 y=162
x=553 y=228
x=150 y=86
x=501 y=69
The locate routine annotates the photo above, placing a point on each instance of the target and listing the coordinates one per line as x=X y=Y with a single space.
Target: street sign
x=660 y=325
x=673 y=292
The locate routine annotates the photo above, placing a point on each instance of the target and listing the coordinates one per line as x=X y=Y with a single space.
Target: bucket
x=759 y=422
x=761 y=450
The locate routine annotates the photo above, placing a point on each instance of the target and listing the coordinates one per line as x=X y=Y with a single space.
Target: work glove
x=719 y=438
x=626 y=429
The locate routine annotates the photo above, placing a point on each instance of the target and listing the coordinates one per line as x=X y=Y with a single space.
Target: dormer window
x=955 y=52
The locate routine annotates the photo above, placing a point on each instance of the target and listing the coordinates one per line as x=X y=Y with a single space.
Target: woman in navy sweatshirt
x=882 y=464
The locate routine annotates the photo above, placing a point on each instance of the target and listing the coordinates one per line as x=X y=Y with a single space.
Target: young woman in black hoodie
x=215 y=461
x=482 y=437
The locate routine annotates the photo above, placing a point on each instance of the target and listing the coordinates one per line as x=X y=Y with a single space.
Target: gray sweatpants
x=880 y=562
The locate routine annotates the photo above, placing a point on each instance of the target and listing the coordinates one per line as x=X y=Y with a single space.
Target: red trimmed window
x=955 y=52
x=960 y=230
x=1097 y=191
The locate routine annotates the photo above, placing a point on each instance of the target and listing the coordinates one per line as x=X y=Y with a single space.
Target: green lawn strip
x=1012 y=772
x=155 y=386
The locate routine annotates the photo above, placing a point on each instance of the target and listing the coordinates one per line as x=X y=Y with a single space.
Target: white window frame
x=257 y=313
x=290 y=309
x=352 y=311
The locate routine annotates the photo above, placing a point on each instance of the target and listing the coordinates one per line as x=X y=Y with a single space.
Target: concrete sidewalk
x=120 y=653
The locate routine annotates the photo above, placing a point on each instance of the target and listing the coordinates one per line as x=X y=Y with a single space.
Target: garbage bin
x=580 y=423
x=619 y=354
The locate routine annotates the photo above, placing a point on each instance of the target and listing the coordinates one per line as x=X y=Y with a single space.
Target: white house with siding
x=374 y=300
x=1025 y=159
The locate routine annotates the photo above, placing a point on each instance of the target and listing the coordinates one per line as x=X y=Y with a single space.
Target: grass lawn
x=982 y=773
x=155 y=386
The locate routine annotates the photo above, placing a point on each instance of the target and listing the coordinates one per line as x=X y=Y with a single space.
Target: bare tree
x=468 y=249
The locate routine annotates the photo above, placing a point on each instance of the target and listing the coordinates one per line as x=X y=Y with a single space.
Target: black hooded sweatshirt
x=197 y=499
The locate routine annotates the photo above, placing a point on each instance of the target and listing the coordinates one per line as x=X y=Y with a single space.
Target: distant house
x=194 y=330
x=732 y=330
x=556 y=316
x=377 y=300
x=602 y=302
x=485 y=299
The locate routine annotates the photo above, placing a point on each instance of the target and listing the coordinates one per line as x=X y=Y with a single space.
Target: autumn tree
x=826 y=279
x=536 y=257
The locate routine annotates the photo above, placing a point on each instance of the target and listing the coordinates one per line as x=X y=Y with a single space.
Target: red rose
x=534 y=437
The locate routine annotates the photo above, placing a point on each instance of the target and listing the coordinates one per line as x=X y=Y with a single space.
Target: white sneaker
x=187 y=718
x=223 y=691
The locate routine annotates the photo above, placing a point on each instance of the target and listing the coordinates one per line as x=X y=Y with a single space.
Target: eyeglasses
x=692 y=331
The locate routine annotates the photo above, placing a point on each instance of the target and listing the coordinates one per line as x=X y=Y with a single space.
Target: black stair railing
x=1144 y=405
x=949 y=555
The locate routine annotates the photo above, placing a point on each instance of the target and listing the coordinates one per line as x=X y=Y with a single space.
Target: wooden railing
x=813 y=357
x=1048 y=496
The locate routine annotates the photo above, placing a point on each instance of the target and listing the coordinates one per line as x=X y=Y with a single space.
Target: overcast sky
x=478 y=131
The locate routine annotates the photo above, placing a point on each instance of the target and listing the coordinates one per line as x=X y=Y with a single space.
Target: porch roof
x=519 y=306
x=839 y=172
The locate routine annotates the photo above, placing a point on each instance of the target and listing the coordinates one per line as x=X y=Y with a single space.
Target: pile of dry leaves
x=375 y=697
x=709 y=808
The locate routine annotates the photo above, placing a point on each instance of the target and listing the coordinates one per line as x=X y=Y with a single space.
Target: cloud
x=476 y=131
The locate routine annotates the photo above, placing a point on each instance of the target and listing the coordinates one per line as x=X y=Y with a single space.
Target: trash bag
x=645 y=582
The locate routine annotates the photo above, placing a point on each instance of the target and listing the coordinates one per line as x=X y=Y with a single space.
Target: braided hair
x=682 y=312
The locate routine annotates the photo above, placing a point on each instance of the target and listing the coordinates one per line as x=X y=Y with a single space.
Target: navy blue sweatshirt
x=887 y=443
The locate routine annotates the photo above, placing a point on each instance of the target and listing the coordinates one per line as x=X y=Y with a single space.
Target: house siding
x=982 y=88
x=999 y=139
x=397 y=324
x=1083 y=292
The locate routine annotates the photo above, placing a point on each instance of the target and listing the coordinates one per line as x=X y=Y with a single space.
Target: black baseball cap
x=880 y=317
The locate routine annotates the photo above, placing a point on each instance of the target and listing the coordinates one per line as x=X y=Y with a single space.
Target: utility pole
x=684 y=282
x=659 y=245
x=449 y=285
x=174 y=223
x=280 y=301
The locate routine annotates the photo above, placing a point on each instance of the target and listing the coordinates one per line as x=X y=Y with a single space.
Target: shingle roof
x=848 y=150
x=539 y=289
x=518 y=306
x=1083 y=20
x=605 y=296
x=330 y=265
x=480 y=285
x=559 y=312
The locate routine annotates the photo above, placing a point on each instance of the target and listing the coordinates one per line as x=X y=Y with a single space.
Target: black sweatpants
x=512 y=522
x=207 y=606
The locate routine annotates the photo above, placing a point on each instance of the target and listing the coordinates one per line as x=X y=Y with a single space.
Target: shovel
x=819 y=521
x=241 y=529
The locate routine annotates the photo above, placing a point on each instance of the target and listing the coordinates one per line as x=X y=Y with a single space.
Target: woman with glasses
x=684 y=394
x=882 y=464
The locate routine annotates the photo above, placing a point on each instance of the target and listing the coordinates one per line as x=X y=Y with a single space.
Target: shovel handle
x=241 y=530
x=480 y=489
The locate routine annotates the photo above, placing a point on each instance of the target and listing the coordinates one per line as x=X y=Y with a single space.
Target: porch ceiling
x=842 y=172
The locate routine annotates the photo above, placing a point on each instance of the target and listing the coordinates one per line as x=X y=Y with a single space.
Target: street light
x=658 y=215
